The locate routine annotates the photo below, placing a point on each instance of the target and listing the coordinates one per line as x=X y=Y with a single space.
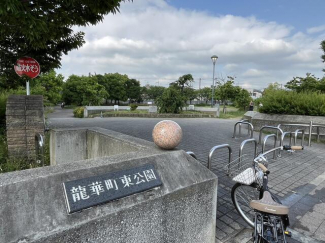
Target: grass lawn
x=232 y=113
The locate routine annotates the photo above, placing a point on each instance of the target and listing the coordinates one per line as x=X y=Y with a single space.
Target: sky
x=156 y=41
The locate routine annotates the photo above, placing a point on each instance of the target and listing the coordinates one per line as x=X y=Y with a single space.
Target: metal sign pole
x=27 y=88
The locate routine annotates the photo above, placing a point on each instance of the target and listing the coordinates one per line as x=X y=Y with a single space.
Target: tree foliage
x=50 y=85
x=171 y=101
x=153 y=92
x=309 y=83
x=183 y=81
x=242 y=98
x=44 y=30
x=189 y=94
x=114 y=84
x=322 y=44
x=83 y=91
x=133 y=90
x=205 y=94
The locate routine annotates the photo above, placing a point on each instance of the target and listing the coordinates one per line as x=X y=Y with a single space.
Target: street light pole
x=214 y=59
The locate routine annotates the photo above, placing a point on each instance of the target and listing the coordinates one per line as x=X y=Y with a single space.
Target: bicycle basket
x=242 y=170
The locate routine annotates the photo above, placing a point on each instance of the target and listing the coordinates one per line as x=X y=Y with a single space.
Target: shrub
x=293 y=103
x=3 y=101
x=133 y=107
x=171 y=101
x=78 y=112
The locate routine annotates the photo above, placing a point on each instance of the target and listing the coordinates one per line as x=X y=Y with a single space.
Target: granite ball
x=167 y=134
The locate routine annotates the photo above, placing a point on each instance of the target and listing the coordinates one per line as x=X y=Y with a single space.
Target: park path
x=299 y=178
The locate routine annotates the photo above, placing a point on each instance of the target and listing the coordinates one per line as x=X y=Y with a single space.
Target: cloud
x=254 y=73
x=316 y=29
x=153 y=41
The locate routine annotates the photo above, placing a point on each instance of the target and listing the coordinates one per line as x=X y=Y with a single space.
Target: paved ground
x=298 y=179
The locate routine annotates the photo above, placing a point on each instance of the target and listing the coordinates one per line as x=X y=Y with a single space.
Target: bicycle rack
x=278 y=129
x=275 y=140
x=303 y=136
x=39 y=148
x=310 y=128
x=318 y=132
x=243 y=120
x=243 y=144
x=250 y=126
x=217 y=148
x=191 y=154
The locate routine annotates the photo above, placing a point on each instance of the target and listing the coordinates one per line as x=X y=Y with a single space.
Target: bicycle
x=259 y=207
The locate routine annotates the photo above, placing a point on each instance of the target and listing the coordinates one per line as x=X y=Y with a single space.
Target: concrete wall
x=69 y=145
x=259 y=119
x=100 y=145
x=24 y=118
x=183 y=209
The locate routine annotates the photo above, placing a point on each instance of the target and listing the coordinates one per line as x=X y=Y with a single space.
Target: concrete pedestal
x=183 y=209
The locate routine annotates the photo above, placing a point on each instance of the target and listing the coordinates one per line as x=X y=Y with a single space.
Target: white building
x=254 y=93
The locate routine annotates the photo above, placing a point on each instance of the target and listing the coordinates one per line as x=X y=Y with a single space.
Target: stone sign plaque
x=92 y=191
x=152 y=109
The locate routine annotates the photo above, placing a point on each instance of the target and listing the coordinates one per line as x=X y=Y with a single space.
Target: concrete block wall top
x=70 y=145
x=183 y=209
x=260 y=119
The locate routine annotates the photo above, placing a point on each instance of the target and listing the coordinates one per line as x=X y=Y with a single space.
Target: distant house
x=255 y=93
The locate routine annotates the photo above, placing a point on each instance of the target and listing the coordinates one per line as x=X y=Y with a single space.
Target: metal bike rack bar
x=278 y=129
x=250 y=126
x=243 y=120
x=310 y=132
x=217 y=148
x=243 y=144
x=318 y=131
x=310 y=128
x=39 y=148
x=296 y=135
x=191 y=154
x=283 y=136
x=264 y=143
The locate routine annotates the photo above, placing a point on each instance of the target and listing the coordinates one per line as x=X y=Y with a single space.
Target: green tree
x=205 y=94
x=153 y=92
x=83 y=91
x=189 y=94
x=242 y=98
x=171 y=101
x=226 y=91
x=272 y=87
x=299 y=84
x=183 y=81
x=309 y=83
x=44 y=30
x=133 y=90
x=114 y=84
x=50 y=85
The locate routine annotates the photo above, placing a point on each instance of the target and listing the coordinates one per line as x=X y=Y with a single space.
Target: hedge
x=293 y=103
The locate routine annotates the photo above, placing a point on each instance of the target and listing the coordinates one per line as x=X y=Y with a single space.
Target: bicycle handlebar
x=288 y=147
x=263 y=168
x=285 y=147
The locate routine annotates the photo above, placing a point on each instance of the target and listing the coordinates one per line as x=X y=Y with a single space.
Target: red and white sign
x=27 y=66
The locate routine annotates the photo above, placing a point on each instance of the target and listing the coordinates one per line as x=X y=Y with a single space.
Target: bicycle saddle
x=268 y=205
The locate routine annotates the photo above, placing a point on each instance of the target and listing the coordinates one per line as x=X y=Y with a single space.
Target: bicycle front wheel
x=241 y=196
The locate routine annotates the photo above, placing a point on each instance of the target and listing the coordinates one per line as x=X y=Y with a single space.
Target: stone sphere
x=167 y=134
